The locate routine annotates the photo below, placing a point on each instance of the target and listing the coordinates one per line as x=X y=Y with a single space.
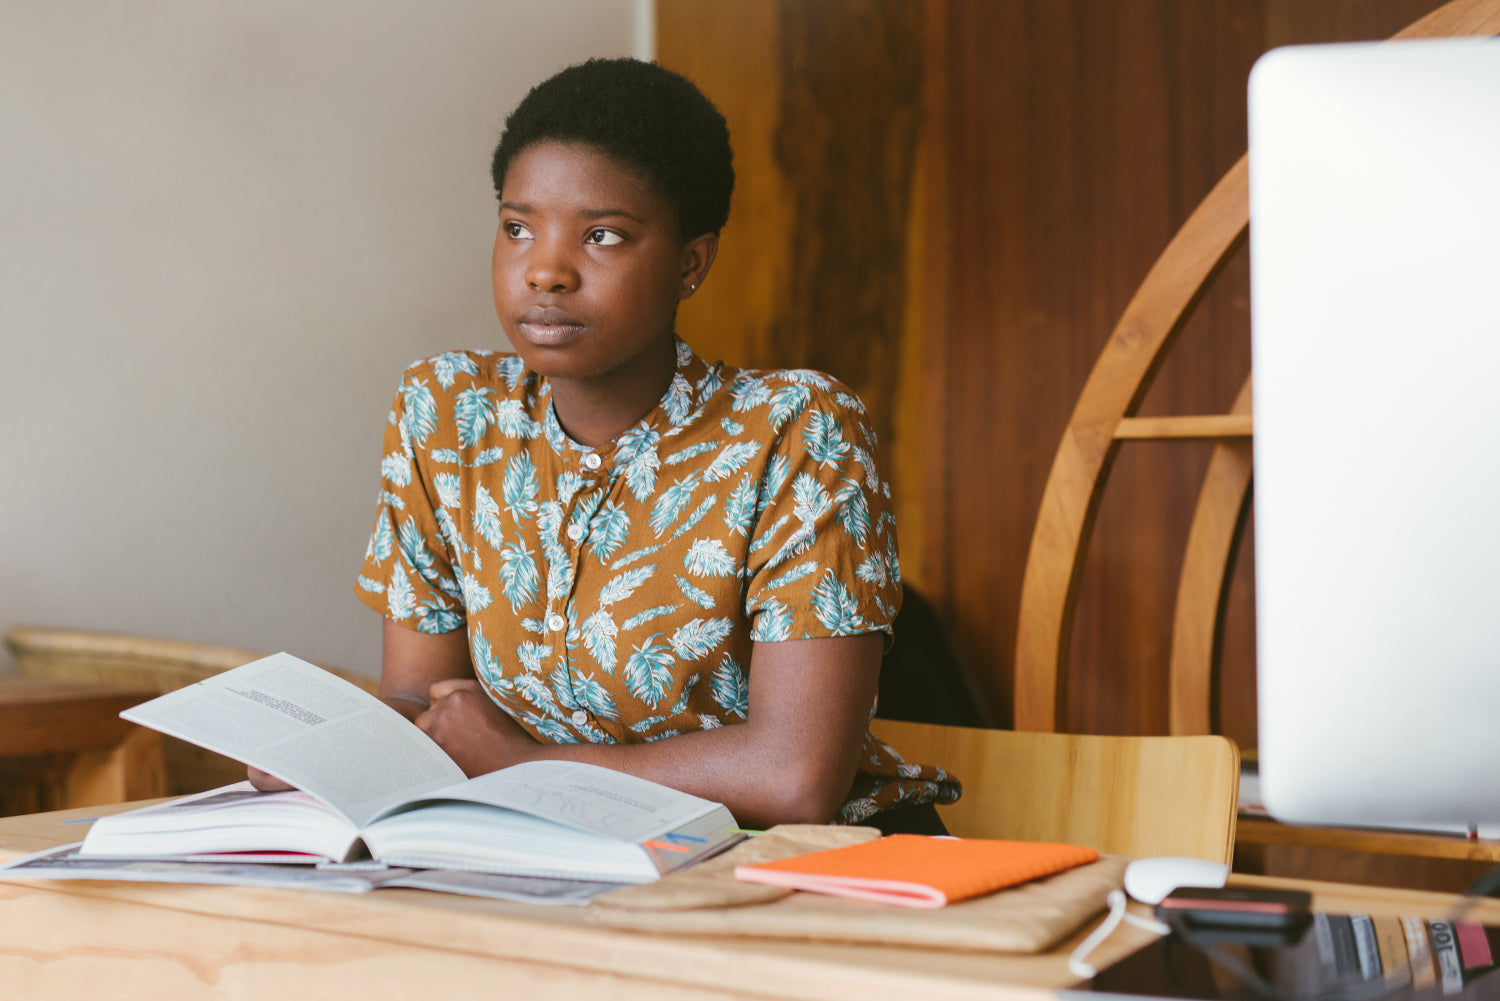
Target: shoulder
x=451 y=399
x=788 y=395
x=453 y=372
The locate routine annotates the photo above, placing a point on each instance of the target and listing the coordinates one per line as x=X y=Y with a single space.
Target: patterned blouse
x=614 y=595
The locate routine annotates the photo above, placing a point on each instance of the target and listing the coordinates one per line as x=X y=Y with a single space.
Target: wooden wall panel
x=1081 y=134
x=832 y=258
x=948 y=204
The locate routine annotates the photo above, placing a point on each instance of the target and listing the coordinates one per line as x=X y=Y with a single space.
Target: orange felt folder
x=916 y=870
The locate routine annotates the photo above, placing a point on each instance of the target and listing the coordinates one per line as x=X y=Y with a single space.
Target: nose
x=549 y=269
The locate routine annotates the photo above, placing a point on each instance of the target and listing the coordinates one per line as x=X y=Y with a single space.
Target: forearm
x=763 y=777
x=792 y=760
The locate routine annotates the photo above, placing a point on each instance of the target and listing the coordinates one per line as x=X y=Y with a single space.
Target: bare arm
x=792 y=760
x=412 y=662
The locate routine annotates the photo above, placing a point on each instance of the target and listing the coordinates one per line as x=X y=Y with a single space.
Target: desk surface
x=78 y=939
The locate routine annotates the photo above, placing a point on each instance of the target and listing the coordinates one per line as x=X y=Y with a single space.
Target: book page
x=307 y=727
x=587 y=798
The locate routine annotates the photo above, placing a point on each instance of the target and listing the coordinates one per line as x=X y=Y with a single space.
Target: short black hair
x=649 y=119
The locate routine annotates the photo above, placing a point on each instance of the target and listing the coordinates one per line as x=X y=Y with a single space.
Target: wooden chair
x=1134 y=796
x=1104 y=418
x=143 y=664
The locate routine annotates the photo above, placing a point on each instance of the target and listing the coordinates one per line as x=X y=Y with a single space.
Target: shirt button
x=575 y=532
x=592 y=460
x=556 y=622
x=579 y=717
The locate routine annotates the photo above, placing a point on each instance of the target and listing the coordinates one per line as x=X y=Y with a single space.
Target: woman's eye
x=604 y=237
x=516 y=231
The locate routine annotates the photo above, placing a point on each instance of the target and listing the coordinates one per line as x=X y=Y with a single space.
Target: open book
x=370 y=784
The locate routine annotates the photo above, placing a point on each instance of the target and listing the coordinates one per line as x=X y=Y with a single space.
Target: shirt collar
x=693 y=384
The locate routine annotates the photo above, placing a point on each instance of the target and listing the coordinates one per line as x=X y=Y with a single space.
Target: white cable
x=1117 y=913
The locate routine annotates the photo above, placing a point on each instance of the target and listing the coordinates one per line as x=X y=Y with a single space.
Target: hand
x=266 y=782
x=476 y=733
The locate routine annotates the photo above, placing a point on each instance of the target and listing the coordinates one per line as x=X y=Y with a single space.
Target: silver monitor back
x=1375 y=309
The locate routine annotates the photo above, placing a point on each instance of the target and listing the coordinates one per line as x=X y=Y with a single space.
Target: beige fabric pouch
x=706 y=899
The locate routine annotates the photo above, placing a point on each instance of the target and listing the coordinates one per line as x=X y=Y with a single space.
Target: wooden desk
x=67 y=939
x=69 y=746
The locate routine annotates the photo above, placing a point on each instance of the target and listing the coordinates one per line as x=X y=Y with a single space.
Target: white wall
x=225 y=228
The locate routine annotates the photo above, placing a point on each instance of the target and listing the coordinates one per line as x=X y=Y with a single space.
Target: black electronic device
x=1235 y=907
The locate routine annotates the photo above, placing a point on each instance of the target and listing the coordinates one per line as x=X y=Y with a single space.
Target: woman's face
x=589 y=265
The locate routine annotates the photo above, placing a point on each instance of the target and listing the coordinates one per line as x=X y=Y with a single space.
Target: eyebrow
x=525 y=208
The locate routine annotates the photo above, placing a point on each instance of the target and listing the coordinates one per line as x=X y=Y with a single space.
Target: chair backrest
x=1104 y=417
x=1133 y=796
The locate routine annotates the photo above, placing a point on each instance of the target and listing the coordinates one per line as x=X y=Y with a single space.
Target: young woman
x=603 y=547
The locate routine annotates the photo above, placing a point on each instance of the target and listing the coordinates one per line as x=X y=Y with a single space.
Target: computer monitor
x=1375 y=315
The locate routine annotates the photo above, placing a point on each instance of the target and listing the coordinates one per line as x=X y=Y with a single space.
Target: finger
x=446 y=687
x=265 y=781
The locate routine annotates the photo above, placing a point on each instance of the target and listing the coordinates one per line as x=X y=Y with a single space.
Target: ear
x=697 y=257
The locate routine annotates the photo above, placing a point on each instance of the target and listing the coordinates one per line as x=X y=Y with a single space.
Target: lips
x=547 y=326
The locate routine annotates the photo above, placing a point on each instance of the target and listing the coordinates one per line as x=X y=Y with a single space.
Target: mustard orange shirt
x=615 y=595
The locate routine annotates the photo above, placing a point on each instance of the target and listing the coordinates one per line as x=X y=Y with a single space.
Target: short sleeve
x=823 y=559
x=409 y=569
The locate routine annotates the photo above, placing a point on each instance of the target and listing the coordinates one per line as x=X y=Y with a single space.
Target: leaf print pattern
x=709 y=558
x=421 y=413
x=380 y=542
x=745 y=508
x=397 y=469
x=671 y=502
x=731 y=460
x=691 y=521
x=511 y=421
x=648 y=671
x=699 y=596
x=474 y=412
x=773 y=623
x=599 y=632
x=697 y=639
x=520 y=487
x=608 y=529
x=796 y=573
x=854 y=512
x=437 y=616
x=739 y=510
x=824 y=438
x=623 y=586
x=448 y=364
x=476 y=596
x=448 y=486
x=836 y=607
x=487 y=518
x=691 y=452
x=518 y=575
x=636 y=621
x=772 y=480
x=400 y=599
x=731 y=689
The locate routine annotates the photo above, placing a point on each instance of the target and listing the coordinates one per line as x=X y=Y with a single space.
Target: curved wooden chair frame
x=1104 y=417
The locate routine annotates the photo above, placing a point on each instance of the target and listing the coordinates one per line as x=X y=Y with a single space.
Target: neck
x=597 y=410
